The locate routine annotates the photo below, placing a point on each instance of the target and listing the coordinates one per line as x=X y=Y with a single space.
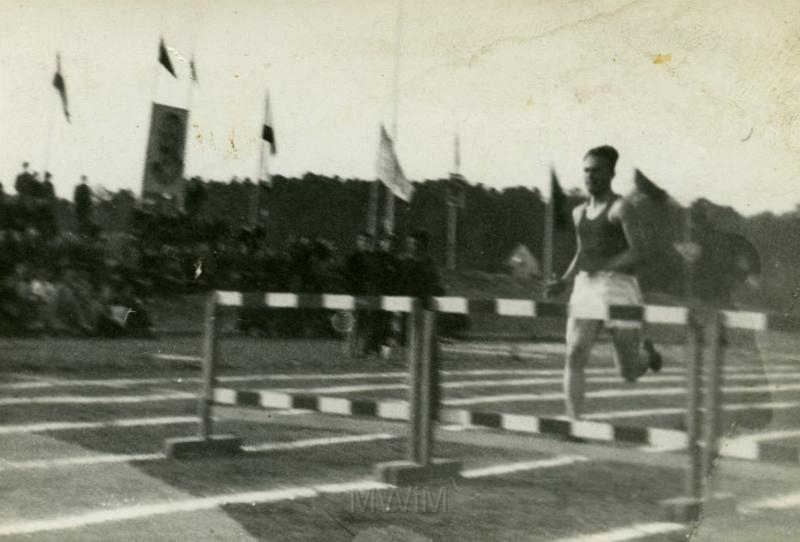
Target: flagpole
x=50 y=129
x=549 y=230
x=452 y=205
x=154 y=93
x=256 y=200
x=395 y=101
x=189 y=102
x=372 y=209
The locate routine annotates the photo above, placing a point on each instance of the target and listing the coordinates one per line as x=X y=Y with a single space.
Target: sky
x=703 y=96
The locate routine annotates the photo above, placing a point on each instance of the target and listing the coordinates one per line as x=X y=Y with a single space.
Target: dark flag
x=61 y=87
x=556 y=218
x=558 y=200
x=267 y=130
x=661 y=223
x=163 y=58
x=648 y=188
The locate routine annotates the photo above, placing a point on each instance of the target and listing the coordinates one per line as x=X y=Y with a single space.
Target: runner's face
x=597 y=175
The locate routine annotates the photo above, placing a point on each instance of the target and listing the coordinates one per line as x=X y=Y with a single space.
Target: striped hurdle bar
x=518 y=423
x=655 y=314
x=661 y=314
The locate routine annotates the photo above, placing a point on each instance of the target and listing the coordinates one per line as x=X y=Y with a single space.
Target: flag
x=389 y=171
x=61 y=87
x=163 y=58
x=193 y=70
x=661 y=224
x=558 y=202
x=556 y=217
x=267 y=130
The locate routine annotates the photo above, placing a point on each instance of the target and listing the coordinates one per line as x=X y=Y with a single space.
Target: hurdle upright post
x=688 y=507
x=427 y=381
x=205 y=444
x=414 y=391
x=209 y=365
x=713 y=399
x=694 y=375
x=420 y=467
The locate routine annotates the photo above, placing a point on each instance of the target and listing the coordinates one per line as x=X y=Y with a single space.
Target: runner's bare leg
x=581 y=335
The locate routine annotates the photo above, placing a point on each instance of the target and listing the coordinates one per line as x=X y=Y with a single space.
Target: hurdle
x=205 y=444
x=706 y=328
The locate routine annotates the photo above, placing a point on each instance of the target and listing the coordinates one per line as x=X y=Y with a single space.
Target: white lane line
x=781 y=502
x=123 y=422
x=610 y=394
x=78 y=461
x=663 y=448
x=35 y=385
x=498 y=353
x=496 y=470
x=517 y=382
x=177 y=357
x=97 y=517
x=670 y=411
x=44 y=383
x=89 y=400
x=634 y=532
x=768 y=435
x=104 y=459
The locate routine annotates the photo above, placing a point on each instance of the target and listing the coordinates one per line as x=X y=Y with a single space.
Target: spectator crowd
x=88 y=282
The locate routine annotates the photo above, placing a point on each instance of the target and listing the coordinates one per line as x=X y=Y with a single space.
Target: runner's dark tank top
x=600 y=238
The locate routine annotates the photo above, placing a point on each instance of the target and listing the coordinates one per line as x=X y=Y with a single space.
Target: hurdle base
x=401 y=473
x=682 y=509
x=690 y=510
x=198 y=447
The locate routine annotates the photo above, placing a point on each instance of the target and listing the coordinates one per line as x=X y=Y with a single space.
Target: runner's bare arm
x=556 y=287
x=572 y=270
x=627 y=260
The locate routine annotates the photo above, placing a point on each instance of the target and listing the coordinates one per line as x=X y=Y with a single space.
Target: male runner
x=609 y=248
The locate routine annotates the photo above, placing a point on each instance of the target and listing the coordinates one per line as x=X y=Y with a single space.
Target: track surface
x=80 y=457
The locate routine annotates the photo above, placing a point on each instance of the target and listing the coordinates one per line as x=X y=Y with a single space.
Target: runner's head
x=598 y=169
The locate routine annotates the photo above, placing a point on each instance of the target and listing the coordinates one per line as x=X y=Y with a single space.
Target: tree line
x=490 y=225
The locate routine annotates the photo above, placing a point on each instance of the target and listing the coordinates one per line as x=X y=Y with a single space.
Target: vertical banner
x=166 y=144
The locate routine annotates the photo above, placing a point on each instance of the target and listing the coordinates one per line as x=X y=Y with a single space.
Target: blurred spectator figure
x=2 y=197
x=323 y=270
x=35 y=192
x=83 y=206
x=299 y=254
x=19 y=304
x=48 y=190
x=44 y=295
x=76 y=304
x=386 y=276
x=420 y=276
x=127 y=311
x=356 y=265
x=424 y=283
x=25 y=184
x=46 y=208
x=356 y=277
